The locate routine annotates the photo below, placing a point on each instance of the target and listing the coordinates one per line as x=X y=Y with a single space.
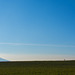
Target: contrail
x=23 y=44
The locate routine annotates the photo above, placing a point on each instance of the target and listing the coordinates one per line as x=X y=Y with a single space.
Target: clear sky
x=37 y=27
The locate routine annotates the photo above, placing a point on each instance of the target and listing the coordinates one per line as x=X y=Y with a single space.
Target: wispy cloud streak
x=23 y=44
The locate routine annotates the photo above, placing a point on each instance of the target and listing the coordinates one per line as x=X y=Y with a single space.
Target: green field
x=38 y=68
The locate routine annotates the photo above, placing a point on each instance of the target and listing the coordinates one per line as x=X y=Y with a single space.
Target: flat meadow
x=37 y=68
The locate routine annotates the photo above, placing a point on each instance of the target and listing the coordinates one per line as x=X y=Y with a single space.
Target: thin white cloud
x=23 y=44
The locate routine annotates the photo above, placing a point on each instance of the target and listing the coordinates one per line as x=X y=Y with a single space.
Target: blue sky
x=30 y=27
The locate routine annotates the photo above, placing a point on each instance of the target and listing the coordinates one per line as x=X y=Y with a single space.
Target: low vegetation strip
x=38 y=68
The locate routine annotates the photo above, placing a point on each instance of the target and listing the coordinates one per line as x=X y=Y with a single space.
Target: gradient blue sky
x=37 y=27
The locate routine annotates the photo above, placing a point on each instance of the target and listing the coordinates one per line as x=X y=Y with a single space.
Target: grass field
x=38 y=68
